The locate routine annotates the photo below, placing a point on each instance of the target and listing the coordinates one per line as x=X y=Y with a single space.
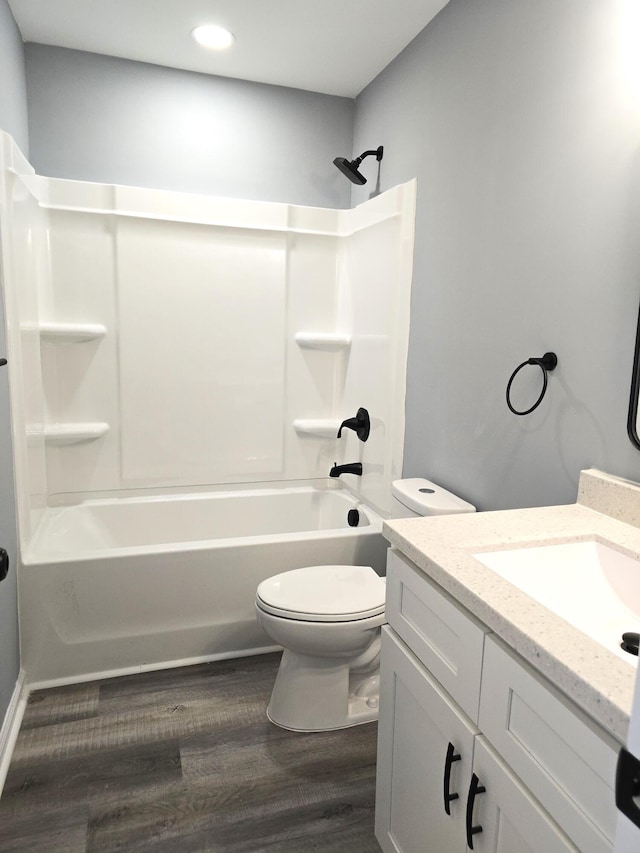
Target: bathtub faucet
x=349 y=468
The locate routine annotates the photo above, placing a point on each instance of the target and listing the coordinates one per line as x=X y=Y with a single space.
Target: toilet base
x=312 y=694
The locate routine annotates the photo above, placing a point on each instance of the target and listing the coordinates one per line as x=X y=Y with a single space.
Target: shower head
x=350 y=168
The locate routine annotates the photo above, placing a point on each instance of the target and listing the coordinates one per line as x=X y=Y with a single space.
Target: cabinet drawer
x=447 y=640
x=565 y=760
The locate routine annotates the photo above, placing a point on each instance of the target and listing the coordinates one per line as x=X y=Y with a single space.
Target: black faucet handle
x=361 y=424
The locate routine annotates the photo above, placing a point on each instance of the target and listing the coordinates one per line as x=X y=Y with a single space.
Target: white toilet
x=328 y=620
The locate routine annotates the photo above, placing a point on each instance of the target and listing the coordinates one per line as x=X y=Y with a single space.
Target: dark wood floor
x=184 y=760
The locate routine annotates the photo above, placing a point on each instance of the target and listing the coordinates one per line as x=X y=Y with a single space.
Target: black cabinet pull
x=451 y=757
x=628 y=785
x=474 y=788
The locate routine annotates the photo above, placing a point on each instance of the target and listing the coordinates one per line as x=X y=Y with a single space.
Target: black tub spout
x=349 y=468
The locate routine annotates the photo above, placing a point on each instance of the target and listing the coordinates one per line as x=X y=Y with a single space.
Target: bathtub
x=127 y=584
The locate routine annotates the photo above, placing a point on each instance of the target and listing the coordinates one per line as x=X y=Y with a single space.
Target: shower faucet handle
x=361 y=424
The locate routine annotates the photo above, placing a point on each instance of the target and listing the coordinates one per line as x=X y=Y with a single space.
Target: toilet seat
x=323 y=594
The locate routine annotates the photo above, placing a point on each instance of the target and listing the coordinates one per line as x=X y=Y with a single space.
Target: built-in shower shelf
x=320 y=427
x=74 y=433
x=331 y=342
x=72 y=332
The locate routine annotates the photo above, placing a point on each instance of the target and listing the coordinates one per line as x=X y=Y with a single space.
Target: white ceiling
x=331 y=46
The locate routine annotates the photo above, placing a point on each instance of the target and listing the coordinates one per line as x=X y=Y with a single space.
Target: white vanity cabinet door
x=511 y=820
x=417 y=723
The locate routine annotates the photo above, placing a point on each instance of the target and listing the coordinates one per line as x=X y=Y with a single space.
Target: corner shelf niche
x=71 y=332
x=328 y=341
x=63 y=434
x=318 y=427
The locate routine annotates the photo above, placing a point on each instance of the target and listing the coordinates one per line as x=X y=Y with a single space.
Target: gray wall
x=13 y=86
x=516 y=118
x=96 y=118
x=13 y=119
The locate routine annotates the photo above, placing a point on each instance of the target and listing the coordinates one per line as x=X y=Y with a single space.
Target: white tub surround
x=161 y=340
x=598 y=680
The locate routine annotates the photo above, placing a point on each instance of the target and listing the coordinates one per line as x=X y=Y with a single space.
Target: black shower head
x=350 y=168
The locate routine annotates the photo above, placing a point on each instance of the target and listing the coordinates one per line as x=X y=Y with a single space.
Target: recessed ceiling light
x=213 y=37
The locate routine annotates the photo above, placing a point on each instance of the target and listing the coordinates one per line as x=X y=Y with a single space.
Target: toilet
x=328 y=621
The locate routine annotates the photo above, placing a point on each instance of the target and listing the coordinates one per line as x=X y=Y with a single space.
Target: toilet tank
x=416 y=497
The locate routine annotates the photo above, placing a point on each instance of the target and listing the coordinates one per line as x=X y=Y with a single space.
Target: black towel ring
x=548 y=362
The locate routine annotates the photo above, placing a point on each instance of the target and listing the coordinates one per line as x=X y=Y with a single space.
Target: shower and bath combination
x=350 y=168
x=171 y=574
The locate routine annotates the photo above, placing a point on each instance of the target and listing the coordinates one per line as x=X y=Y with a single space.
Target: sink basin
x=589 y=584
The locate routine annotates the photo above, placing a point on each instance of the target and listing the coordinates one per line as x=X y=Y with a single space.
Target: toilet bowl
x=328 y=621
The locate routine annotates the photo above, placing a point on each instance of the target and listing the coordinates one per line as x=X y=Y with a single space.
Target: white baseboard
x=84 y=677
x=11 y=725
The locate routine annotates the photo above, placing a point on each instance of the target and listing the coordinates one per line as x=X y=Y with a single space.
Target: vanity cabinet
x=475 y=750
x=439 y=780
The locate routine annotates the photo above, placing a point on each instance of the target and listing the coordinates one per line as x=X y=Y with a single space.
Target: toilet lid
x=324 y=594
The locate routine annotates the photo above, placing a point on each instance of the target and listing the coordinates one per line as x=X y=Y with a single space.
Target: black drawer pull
x=474 y=788
x=448 y=797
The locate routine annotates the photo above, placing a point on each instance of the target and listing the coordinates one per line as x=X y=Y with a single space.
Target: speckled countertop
x=608 y=509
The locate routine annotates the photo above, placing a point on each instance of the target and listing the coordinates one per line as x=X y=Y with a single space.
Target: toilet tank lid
x=427 y=498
